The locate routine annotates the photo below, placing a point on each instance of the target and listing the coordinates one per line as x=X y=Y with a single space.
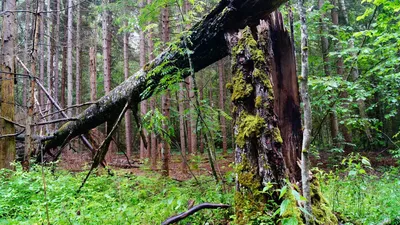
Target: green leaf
x=284 y=206
x=290 y=221
x=283 y=191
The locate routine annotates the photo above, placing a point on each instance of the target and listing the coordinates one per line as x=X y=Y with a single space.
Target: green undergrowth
x=362 y=197
x=120 y=199
x=356 y=192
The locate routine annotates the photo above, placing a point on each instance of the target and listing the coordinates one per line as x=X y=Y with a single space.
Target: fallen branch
x=55 y=121
x=193 y=210
x=13 y=122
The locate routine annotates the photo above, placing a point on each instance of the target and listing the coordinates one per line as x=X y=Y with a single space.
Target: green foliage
x=359 y=195
x=120 y=199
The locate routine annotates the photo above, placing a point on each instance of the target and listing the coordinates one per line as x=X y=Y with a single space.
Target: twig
x=12 y=135
x=193 y=210
x=13 y=122
x=65 y=109
x=55 y=121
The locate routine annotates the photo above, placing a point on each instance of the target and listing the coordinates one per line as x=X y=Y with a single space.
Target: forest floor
x=199 y=165
x=355 y=189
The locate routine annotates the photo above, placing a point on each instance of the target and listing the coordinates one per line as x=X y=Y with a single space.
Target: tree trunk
x=208 y=45
x=128 y=120
x=69 y=58
x=143 y=104
x=93 y=73
x=182 y=126
x=221 y=105
x=340 y=72
x=165 y=150
x=305 y=147
x=334 y=125
x=57 y=53
x=7 y=107
x=258 y=154
x=27 y=34
x=78 y=59
x=106 y=20
x=152 y=153
x=355 y=74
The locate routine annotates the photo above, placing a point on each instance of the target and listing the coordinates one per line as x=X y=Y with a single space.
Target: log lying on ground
x=191 y=211
x=207 y=45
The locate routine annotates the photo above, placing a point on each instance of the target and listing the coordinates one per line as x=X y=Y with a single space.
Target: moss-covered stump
x=258 y=156
x=260 y=165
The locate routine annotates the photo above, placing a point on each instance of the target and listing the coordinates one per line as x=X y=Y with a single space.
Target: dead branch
x=193 y=210
x=13 y=122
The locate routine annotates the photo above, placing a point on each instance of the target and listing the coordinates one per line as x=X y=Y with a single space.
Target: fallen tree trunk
x=207 y=44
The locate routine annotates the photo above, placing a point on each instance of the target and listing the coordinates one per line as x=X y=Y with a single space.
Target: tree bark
x=27 y=33
x=57 y=54
x=143 y=104
x=152 y=149
x=93 y=73
x=128 y=120
x=69 y=58
x=165 y=150
x=78 y=74
x=7 y=107
x=305 y=160
x=106 y=20
x=208 y=45
x=258 y=154
x=221 y=105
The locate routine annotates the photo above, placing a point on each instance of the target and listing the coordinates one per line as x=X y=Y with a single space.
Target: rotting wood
x=207 y=43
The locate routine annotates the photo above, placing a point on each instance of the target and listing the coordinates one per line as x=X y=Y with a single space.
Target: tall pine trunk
x=7 y=110
x=69 y=58
x=221 y=105
x=143 y=104
x=165 y=102
x=128 y=120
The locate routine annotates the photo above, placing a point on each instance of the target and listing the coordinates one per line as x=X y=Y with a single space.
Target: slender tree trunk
x=143 y=104
x=221 y=105
x=63 y=76
x=106 y=20
x=181 y=109
x=31 y=98
x=78 y=74
x=334 y=125
x=340 y=72
x=7 y=107
x=93 y=73
x=355 y=74
x=69 y=58
x=305 y=160
x=128 y=120
x=27 y=38
x=153 y=141
x=191 y=126
x=57 y=53
x=165 y=151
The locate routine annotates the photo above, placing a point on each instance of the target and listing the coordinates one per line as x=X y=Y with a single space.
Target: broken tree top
x=206 y=42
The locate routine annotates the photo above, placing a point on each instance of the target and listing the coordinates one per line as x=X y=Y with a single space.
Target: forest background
x=81 y=50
